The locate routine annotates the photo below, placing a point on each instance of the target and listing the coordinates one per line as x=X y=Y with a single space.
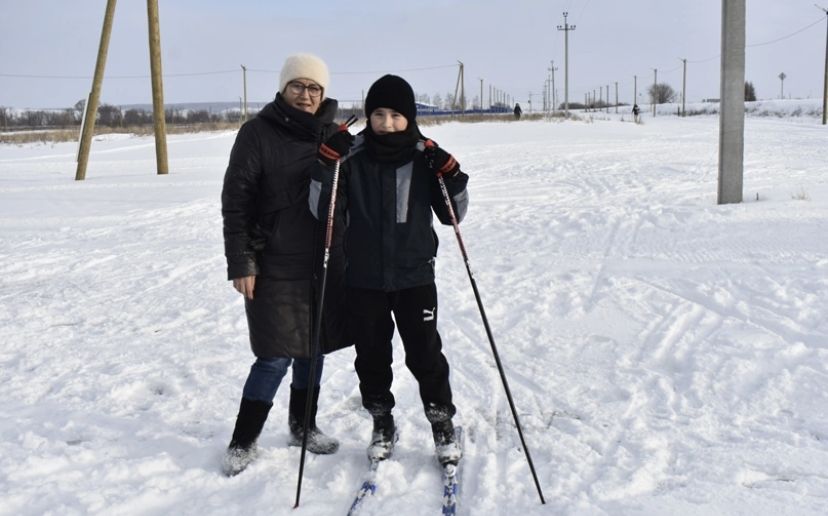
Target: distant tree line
x=108 y=116
x=114 y=116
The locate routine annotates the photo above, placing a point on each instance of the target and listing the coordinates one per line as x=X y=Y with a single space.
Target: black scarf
x=303 y=125
x=397 y=147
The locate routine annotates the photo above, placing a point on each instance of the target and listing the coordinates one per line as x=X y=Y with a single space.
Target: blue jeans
x=266 y=374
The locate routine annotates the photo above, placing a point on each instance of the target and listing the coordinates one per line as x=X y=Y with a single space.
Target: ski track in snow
x=666 y=355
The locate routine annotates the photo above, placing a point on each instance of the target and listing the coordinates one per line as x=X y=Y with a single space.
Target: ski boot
x=445 y=444
x=383 y=438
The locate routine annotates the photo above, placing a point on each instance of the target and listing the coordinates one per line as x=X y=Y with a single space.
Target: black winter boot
x=383 y=437
x=442 y=429
x=318 y=442
x=249 y=423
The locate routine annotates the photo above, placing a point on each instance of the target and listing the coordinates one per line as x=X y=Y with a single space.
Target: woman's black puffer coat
x=270 y=233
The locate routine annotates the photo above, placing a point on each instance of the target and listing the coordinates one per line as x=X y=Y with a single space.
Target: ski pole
x=318 y=325
x=456 y=226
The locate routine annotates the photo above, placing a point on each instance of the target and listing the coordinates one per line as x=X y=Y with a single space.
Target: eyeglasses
x=297 y=88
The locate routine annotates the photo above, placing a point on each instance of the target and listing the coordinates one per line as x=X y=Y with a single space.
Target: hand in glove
x=439 y=161
x=336 y=146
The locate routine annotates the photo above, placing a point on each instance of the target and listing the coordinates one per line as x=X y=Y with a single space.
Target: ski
x=451 y=488
x=368 y=487
x=378 y=451
x=451 y=480
x=450 y=483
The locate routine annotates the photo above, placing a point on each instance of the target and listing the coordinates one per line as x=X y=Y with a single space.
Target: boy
x=388 y=189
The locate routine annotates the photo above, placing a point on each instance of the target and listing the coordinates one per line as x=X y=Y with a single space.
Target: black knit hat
x=391 y=91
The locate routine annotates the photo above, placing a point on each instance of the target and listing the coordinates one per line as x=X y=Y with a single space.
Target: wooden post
x=157 y=88
x=91 y=107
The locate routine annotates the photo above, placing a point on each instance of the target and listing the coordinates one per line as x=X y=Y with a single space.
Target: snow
x=803 y=110
x=666 y=355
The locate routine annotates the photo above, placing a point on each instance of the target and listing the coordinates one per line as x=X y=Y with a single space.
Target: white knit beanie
x=304 y=66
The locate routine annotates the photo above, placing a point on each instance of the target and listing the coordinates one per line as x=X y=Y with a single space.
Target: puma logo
x=428 y=315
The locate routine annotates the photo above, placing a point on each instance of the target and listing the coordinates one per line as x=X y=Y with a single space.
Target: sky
x=48 y=51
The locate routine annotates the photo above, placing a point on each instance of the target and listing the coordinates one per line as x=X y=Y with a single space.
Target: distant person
x=388 y=191
x=274 y=248
x=517 y=111
x=636 y=113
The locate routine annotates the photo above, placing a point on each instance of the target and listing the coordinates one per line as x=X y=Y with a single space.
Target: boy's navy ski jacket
x=390 y=243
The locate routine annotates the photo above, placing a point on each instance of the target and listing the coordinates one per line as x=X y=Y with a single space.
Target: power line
x=214 y=72
x=788 y=36
x=191 y=74
x=397 y=70
x=764 y=43
x=717 y=56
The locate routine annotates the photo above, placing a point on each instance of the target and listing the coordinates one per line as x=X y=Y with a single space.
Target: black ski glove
x=336 y=146
x=439 y=161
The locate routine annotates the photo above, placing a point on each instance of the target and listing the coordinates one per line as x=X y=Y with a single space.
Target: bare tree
x=449 y=103
x=109 y=115
x=661 y=93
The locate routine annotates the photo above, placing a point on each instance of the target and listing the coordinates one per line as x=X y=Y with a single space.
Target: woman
x=274 y=249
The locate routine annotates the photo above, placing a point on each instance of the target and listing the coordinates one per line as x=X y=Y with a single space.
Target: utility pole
x=655 y=87
x=91 y=106
x=481 y=94
x=157 y=88
x=732 y=117
x=607 y=98
x=616 y=96
x=684 y=87
x=554 y=100
x=825 y=84
x=635 y=89
x=782 y=77
x=545 y=93
x=244 y=81
x=461 y=88
x=566 y=28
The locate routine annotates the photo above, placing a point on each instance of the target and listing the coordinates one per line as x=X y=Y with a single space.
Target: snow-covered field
x=666 y=355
